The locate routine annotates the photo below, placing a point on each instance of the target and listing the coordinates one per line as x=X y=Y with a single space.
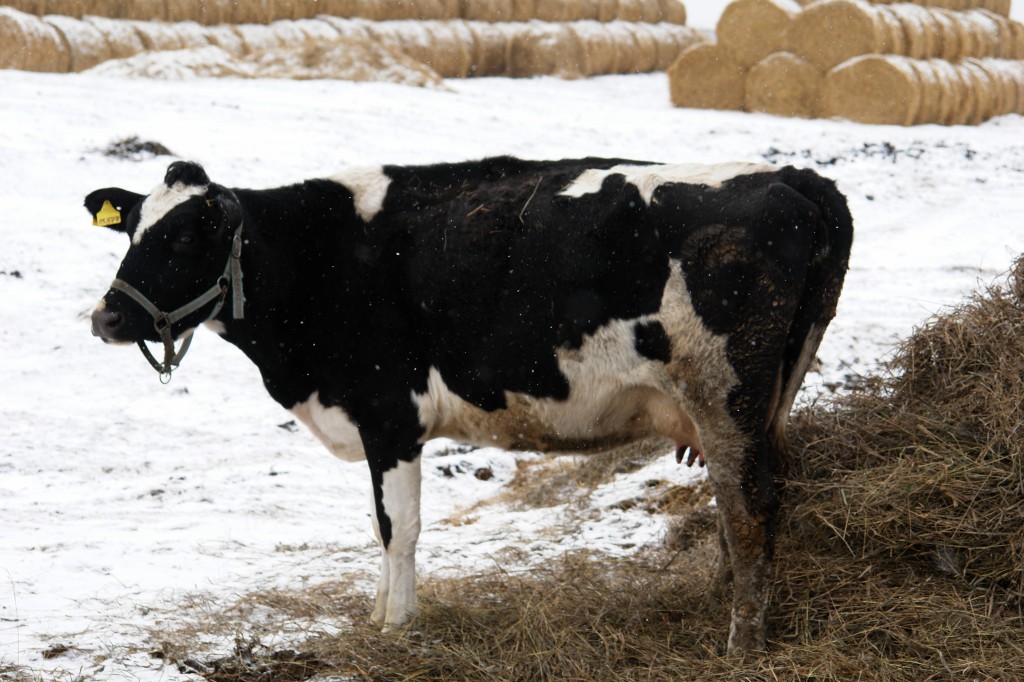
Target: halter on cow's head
x=183 y=260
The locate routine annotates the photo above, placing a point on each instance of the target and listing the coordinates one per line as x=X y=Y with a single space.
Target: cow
x=567 y=306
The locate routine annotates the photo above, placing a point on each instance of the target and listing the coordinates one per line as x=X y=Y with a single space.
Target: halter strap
x=231 y=279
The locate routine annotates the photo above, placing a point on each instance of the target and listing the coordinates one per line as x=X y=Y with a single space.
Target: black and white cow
x=568 y=305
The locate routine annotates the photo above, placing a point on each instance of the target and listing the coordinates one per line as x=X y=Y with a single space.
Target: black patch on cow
x=652 y=342
x=187 y=173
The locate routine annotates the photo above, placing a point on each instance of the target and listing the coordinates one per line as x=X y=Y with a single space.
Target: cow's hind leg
x=747 y=503
x=396 y=522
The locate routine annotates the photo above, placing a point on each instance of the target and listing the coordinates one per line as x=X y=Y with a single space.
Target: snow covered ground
x=119 y=496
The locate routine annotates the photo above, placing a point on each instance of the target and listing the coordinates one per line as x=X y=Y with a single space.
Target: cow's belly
x=616 y=395
x=332 y=427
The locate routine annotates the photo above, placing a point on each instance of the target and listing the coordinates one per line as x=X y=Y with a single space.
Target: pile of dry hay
x=451 y=49
x=212 y=12
x=900 y=556
x=776 y=57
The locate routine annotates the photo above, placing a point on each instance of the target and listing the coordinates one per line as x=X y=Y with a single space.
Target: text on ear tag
x=107 y=215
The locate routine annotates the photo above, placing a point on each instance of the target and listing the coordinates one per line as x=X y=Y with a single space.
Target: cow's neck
x=294 y=269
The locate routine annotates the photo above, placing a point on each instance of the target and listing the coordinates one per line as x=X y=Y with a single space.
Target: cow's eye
x=185 y=242
x=186 y=238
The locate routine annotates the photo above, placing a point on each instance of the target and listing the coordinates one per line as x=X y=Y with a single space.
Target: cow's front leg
x=396 y=522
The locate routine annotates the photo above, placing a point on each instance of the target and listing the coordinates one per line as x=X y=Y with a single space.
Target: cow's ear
x=226 y=203
x=110 y=207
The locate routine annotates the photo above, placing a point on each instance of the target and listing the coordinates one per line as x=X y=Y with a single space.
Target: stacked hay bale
x=905 y=64
x=452 y=48
x=211 y=12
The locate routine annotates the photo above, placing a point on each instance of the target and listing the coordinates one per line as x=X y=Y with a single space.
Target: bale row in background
x=830 y=32
x=897 y=90
x=210 y=12
x=1001 y=7
x=451 y=48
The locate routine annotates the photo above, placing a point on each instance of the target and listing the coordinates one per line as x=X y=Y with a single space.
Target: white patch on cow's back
x=649 y=178
x=616 y=394
x=369 y=187
x=160 y=202
x=332 y=427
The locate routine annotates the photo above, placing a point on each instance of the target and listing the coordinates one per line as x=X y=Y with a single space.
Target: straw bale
x=589 y=10
x=29 y=44
x=625 y=46
x=487 y=10
x=963 y=96
x=524 y=10
x=547 y=48
x=982 y=89
x=929 y=106
x=65 y=8
x=121 y=38
x=646 y=48
x=597 y=47
x=284 y=10
x=830 y=32
x=707 y=77
x=630 y=10
x=252 y=12
x=451 y=48
x=147 y=10
x=785 y=85
x=881 y=89
x=85 y=43
x=492 y=44
x=336 y=8
x=607 y=10
x=753 y=29
x=673 y=40
x=227 y=38
x=979 y=34
x=651 y=11
x=949 y=90
x=424 y=10
x=673 y=11
x=317 y=31
x=557 y=10
x=192 y=34
x=1005 y=44
x=213 y=12
x=257 y=38
x=183 y=10
x=1018 y=39
x=951 y=44
x=156 y=35
x=288 y=34
x=348 y=28
x=27 y=6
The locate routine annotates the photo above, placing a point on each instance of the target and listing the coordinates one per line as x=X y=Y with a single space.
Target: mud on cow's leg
x=747 y=503
x=396 y=523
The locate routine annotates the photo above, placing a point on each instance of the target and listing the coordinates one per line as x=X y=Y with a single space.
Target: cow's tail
x=823 y=282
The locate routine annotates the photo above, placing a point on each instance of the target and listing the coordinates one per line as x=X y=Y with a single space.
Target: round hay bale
x=625 y=46
x=830 y=32
x=646 y=48
x=785 y=85
x=597 y=47
x=673 y=11
x=183 y=10
x=707 y=77
x=146 y=10
x=963 y=96
x=491 y=46
x=288 y=34
x=669 y=44
x=949 y=90
x=252 y=12
x=1004 y=86
x=213 y=12
x=877 y=89
x=983 y=88
x=951 y=46
x=931 y=102
x=607 y=10
x=226 y=38
x=894 y=38
x=257 y=38
x=28 y=43
x=980 y=34
x=589 y=10
x=110 y=9
x=285 y=10
x=450 y=48
x=1005 y=45
x=650 y=11
x=630 y=10
x=192 y=34
x=64 y=8
x=915 y=27
x=317 y=31
x=546 y=49
x=430 y=10
x=555 y=11
x=336 y=8
x=121 y=38
x=1000 y=7
x=27 y=6
x=524 y=10
x=357 y=29
x=157 y=35
x=86 y=45
x=1018 y=39
x=488 y=10
x=753 y=29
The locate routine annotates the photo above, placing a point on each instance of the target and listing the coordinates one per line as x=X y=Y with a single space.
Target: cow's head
x=181 y=240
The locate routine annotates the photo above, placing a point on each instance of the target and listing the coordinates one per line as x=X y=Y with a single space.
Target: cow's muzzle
x=106 y=324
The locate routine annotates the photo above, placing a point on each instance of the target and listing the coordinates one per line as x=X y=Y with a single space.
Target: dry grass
x=899 y=556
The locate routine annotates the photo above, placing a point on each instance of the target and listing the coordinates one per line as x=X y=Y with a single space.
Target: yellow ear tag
x=108 y=215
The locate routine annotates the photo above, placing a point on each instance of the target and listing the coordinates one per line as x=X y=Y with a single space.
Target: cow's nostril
x=105 y=323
